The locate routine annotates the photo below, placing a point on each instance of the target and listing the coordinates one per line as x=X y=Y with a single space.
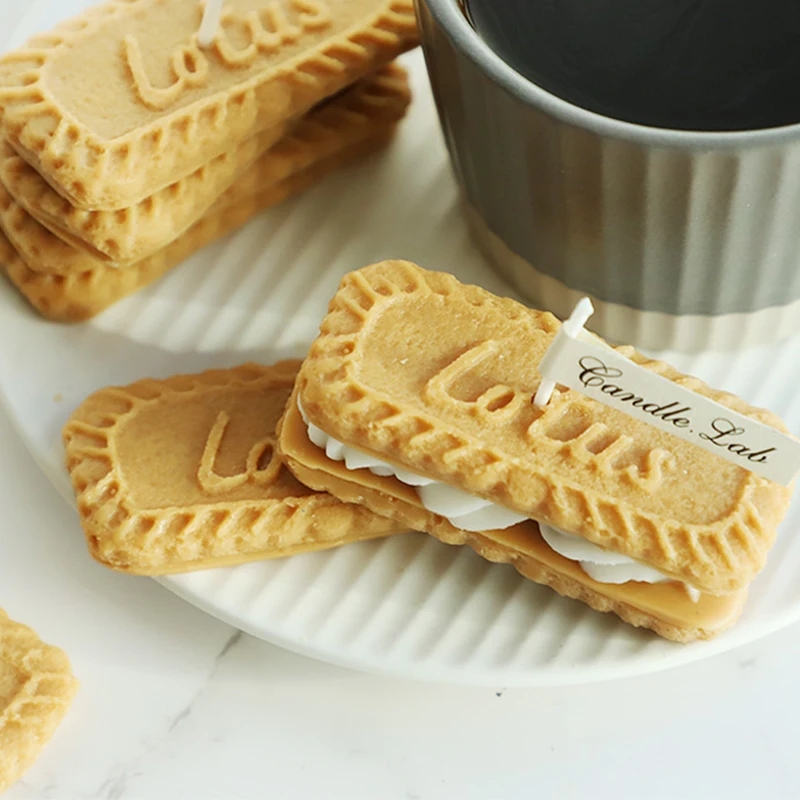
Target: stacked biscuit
x=416 y=401
x=413 y=411
x=126 y=146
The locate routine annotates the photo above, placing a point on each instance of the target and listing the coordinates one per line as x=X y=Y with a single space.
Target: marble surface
x=175 y=704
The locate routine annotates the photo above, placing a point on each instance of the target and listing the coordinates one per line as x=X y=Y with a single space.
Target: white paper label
x=603 y=374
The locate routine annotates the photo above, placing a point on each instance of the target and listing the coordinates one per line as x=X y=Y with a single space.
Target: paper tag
x=581 y=363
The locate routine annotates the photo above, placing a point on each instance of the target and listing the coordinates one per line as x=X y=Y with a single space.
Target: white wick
x=572 y=327
x=210 y=23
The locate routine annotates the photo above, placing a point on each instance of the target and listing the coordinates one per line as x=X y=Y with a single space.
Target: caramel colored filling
x=668 y=602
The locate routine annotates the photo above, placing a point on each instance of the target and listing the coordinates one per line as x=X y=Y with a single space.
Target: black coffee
x=692 y=64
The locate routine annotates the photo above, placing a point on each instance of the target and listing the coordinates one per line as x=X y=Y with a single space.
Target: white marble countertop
x=175 y=704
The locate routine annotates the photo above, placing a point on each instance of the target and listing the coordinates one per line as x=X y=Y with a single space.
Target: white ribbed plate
x=408 y=605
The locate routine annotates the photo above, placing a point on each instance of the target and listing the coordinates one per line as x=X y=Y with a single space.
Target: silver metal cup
x=684 y=240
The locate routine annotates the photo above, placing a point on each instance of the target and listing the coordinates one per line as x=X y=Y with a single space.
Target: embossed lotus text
x=501 y=404
x=261 y=465
x=266 y=31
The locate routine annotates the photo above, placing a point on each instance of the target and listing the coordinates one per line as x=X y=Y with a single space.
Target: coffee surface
x=709 y=65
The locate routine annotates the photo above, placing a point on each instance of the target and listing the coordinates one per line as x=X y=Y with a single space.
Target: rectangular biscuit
x=36 y=691
x=82 y=293
x=438 y=377
x=382 y=100
x=664 y=608
x=121 y=101
x=182 y=474
x=126 y=236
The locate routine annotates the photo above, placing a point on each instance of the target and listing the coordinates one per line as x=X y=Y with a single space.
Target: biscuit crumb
x=25 y=662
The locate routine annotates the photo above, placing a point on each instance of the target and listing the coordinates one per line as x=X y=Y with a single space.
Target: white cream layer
x=470 y=513
x=465 y=511
x=604 y=566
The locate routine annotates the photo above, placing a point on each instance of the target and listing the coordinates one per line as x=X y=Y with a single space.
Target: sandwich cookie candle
x=417 y=400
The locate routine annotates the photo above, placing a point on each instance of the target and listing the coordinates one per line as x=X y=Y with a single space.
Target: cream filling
x=470 y=513
x=604 y=566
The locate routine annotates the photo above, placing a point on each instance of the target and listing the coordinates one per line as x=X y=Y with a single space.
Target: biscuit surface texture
x=126 y=236
x=438 y=377
x=36 y=690
x=87 y=287
x=121 y=101
x=183 y=474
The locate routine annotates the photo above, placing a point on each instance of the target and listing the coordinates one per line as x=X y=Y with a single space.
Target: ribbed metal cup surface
x=684 y=240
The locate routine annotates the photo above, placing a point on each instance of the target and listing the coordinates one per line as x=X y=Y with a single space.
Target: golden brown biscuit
x=182 y=474
x=125 y=237
x=665 y=608
x=79 y=295
x=436 y=377
x=121 y=101
x=36 y=690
